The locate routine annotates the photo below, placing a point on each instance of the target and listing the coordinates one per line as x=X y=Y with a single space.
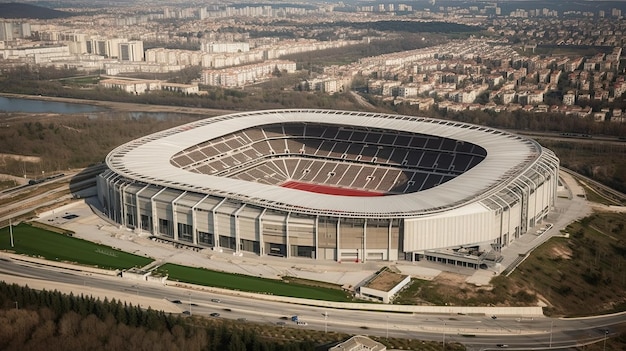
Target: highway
x=25 y=199
x=476 y=332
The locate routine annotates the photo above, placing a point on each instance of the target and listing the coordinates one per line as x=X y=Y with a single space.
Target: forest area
x=40 y=320
x=49 y=320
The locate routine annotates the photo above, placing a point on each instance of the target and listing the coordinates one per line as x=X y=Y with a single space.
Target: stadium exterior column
x=216 y=236
x=338 y=247
x=534 y=190
x=123 y=219
x=237 y=228
x=389 y=240
x=175 y=214
x=524 y=191
x=117 y=205
x=287 y=246
x=153 y=209
x=540 y=184
x=519 y=198
x=364 y=247
x=502 y=243
x=316 y=236
x=261 y=242
x=548 y=186
x=555 y=175
x=137 y=209
x=194 y=220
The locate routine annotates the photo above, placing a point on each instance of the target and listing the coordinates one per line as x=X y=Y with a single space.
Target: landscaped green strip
x=32 y=241
x=240 y=282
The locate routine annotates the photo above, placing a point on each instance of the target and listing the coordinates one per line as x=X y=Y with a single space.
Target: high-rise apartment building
x=14 y=30
x=131 y=51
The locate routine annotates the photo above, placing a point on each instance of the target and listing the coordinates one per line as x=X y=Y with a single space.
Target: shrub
x=563 y=289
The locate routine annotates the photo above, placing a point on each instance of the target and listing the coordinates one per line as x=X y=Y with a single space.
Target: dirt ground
x=385 y=281
x=19 y=180
x=562 y=252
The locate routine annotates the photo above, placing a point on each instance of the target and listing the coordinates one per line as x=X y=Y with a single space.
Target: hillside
x=16 y=10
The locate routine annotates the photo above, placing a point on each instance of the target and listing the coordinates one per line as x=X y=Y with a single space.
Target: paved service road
x=475 y=331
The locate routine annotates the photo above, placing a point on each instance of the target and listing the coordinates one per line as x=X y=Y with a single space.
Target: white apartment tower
x=131 y=51
x=13 y=30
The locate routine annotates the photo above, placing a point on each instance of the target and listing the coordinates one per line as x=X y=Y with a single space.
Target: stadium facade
x=332 y=185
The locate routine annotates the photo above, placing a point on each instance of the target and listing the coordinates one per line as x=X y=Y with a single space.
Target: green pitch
x=32 y=241
x=239 y=282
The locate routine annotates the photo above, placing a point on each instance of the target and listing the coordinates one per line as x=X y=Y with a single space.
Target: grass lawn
x=239 y=282
x=52 y=246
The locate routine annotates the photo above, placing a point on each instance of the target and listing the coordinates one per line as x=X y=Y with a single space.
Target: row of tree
x=49 y=320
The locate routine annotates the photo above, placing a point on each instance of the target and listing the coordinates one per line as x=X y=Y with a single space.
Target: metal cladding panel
x=183 y=215
x=250 y=212
x=301 y=231
x=149 y=192
x=209 y=203
x=168 y=195
x=225 y=225
x=377 y=237
x=474 y=224
x=276 y=218
x=533 y=205
x=327 y=233
x=130 y=191
x=189 y=200
x=204 y=221
x=228 y=207
x=164 y=211
x=144 y=205
x=542 y=201
x=102 y=186
x=512 y=220
x=248 y=228
x=274 y=227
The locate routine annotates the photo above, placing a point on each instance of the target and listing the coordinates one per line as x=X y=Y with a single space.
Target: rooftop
x=147 y=160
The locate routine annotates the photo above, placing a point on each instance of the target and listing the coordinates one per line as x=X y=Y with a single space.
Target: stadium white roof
x=147 y=160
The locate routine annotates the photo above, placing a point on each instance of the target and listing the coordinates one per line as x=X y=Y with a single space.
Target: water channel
x=39 y=106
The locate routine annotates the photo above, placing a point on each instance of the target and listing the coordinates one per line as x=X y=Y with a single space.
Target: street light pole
x=325 y=322
x=190 y=303
x=387 y=327
x=444 y=336
x=551 y=325
x=604 y=343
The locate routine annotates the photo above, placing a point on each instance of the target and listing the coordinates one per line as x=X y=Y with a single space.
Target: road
x=477 y=332
x=25 y=199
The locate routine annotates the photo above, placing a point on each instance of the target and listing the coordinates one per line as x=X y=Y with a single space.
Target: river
x=39 y=106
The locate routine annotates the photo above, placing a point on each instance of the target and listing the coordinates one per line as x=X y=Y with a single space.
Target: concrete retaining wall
x=497 y=311
x=64 y=265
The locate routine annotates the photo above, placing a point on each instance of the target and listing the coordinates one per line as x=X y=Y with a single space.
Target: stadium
x=333 y=185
